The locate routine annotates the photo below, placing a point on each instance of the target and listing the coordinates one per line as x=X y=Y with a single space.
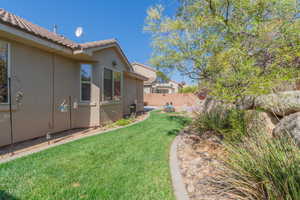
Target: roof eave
x=18 y=35
x=137 y=76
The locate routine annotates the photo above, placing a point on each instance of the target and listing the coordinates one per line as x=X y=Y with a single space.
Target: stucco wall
x=31 y=72
x=109 y=112
x=178 y=100
x=171 y=87
x=29 y=118
x=134 y=91
x=87 y=114
x=46 y=80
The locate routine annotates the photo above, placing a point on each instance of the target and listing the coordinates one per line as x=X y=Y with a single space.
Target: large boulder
x=210 y=104
x=289 y=125
x=281 y=104
x=246 y=103
x=260 y=122
x=287 y=86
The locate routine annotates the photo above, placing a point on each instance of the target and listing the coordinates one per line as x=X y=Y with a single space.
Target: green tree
x=162 y=77
x=235 y=47
x=189 y=89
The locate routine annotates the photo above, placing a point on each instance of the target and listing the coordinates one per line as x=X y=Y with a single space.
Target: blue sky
x=100 y=19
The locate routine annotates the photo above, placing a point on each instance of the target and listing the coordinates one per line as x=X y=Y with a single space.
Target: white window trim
x=91 y=81
x=113 y=87
x=8 y=71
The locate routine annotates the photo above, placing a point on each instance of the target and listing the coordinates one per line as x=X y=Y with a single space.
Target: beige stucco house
x=58 y=84
x=154 y=84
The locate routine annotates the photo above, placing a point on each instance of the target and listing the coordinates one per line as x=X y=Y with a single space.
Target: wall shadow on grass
x=183 y=121
x=5 y=196
x=173 y=132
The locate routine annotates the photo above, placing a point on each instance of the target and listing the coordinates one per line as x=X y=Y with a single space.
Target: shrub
x=124 y=122
x=228 y=123
x=256 y=166
x=262 y=168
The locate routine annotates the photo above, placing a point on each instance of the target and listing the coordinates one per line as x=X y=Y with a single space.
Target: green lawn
x=126 y=164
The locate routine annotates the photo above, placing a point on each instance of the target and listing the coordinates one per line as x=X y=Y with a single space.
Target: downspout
x=137 y=94
x=52 y=98
x=101 y=87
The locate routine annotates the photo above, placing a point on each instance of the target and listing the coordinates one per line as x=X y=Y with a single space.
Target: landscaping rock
x=211 y=105
x=282 y=104
x=198 y=162
x=289 y=125
x=247 y=103
x=258 y=121
x=287 y=85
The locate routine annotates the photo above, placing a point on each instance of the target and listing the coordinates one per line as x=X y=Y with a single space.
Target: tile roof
x=150 y=80
x=24 y=25
x=145 y=66
x=98 y=43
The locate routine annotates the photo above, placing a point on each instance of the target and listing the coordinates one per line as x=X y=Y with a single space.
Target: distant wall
x=178 y=100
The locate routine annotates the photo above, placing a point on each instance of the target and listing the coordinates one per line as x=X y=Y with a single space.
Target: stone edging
x=177 y=181
x=19 y=155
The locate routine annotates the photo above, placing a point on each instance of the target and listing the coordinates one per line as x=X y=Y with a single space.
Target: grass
x=126 y=164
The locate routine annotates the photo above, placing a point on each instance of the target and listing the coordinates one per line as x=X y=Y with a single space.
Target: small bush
x=229 y=124
x=262 y=168
x=124 y=122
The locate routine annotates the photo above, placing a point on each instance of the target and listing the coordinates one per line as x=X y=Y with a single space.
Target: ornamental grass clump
x=261 y=168
x=227 y=123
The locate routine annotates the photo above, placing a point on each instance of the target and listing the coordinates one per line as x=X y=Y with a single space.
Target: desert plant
x=261 y=168
x=236 y=48
x=227 y=123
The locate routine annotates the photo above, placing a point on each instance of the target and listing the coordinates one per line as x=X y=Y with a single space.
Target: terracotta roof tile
x=150 y=80
x=142 y=65
x=24 y=25
x=98 y=43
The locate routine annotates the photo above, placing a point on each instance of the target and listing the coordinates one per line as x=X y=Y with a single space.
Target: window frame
x=8 y=71
x=90 y=82
x=113 y=85
x=121 y=84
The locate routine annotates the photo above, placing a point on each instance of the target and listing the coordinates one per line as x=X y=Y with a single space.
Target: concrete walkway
x=177 y=181
x=67 y=140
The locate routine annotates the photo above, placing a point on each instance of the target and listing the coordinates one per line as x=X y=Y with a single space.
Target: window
x=4 y=72
x=112 y=85
x=108 y=84
x=86 y=81
x=117 y=85
x=162 y=91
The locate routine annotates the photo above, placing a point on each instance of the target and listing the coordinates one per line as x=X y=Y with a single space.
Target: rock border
x=26 y=153
x=177 y=180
